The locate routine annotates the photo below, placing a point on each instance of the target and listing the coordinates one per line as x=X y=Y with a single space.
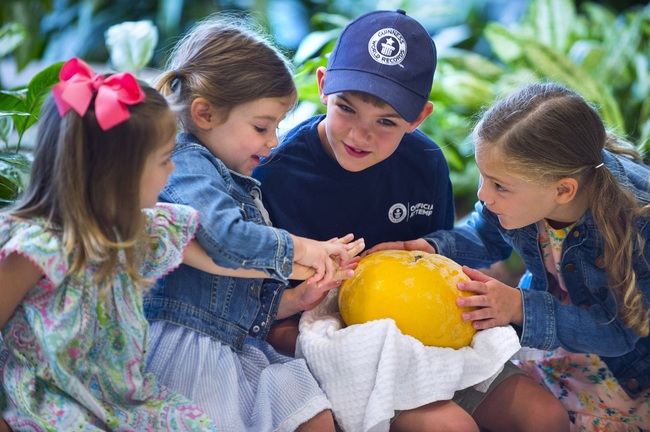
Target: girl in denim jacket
x=232 y=88
x=572 y=201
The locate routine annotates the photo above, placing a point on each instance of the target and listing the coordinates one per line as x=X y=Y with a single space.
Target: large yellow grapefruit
x=416 y=289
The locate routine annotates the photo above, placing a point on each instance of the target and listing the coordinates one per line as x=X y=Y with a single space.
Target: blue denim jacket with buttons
x=589 y=324
x=233 y=232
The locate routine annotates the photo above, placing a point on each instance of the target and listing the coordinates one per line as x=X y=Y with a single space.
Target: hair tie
x=599 y=165
x=176 y=75
x=78 y=83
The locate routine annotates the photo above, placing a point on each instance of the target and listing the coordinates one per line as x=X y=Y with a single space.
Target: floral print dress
x=72 y=356
x=583 y=382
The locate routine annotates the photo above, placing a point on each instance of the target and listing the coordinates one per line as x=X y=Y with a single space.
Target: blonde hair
x=548 y=132
x=86 y=182
x=227 y=61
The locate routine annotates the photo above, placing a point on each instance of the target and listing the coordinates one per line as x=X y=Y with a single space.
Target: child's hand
x=496 y=303
x=326 y=258
x=308 y=295
x=417 y=244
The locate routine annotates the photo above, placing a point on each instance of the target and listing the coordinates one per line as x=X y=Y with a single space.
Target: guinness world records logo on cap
x=388 y=47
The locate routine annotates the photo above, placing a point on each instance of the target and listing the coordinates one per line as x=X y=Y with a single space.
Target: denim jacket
x=233 y=232
x=589 y=324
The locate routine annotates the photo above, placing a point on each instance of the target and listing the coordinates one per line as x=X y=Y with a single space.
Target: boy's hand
x=417 y=244
x=496 y=303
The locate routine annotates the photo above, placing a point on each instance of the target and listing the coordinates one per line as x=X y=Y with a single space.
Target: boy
x=365 y=168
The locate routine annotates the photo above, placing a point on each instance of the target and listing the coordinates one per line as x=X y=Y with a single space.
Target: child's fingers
x=476 y=275
x=356 y=247
x=343 y=240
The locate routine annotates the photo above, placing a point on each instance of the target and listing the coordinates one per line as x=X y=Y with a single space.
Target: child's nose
x=482 y=193
x=272 y=141
x=360 y=133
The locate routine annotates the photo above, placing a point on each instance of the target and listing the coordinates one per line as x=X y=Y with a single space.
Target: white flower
x=131 y=44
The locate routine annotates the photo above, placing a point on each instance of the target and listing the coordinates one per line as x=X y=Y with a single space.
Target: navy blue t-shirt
x=404 y=197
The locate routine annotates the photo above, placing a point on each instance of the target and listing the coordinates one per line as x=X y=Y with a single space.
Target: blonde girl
x=572 y=200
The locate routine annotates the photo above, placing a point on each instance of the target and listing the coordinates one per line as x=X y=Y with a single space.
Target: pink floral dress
x=595 y=400
x=74 y=358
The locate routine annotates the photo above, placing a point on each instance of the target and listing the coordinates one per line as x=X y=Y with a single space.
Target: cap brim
x=407 y=103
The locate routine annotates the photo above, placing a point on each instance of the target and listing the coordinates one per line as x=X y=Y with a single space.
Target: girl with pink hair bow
x=77 y=252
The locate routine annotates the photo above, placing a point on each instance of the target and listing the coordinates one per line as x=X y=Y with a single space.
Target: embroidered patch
x=388 y=47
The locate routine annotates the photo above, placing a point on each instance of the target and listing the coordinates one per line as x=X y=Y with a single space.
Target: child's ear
x=202 y=113
x=320 y=78
x=426 y=111
x=566 y=190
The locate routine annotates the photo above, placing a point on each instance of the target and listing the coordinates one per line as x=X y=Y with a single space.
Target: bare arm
x=17 y=276
x=196 y=256
x=4 y=427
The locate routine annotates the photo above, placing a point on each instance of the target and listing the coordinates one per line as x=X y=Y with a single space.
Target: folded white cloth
x=370 y=370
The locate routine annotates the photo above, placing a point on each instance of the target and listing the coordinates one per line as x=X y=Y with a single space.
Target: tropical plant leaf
x=6 y=127
x=37 y=89
x=12 y=35
x=552 y=21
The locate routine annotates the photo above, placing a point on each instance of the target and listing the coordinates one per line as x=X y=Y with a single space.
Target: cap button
x=401 y=11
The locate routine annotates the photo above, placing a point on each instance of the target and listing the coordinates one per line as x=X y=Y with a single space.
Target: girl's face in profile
x=157 y=169
x=516 y=201
x=248 y=134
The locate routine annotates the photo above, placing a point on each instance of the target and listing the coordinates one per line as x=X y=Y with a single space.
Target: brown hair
x=548 y=132
x=86 y=182
x=226 y=61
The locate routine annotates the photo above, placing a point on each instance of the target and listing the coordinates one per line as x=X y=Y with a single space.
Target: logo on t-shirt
x=399 y=212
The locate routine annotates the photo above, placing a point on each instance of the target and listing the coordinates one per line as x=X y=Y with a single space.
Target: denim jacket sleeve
x=477 y=242
x=591 y=323
x=231 y=230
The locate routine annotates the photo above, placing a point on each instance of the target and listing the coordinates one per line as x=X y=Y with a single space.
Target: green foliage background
x=601 y=52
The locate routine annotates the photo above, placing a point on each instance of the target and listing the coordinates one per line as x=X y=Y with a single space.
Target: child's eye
x=345 y=108
x=260 y=129
x=499 y=187
x=386 y=122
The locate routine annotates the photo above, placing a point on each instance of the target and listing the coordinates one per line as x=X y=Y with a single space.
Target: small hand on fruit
x=496 y=303
x=327 y=260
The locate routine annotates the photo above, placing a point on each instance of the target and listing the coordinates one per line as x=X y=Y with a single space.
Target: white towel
x=370 y=370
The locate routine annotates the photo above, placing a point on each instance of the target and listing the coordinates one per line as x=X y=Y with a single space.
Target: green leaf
x=553 y=21
x=477 y=64
x=14 y=174
x=12 y=35
x=313 y=43
x=503 y=42
x=37 y=89
x=6 y=127
x=13 y=100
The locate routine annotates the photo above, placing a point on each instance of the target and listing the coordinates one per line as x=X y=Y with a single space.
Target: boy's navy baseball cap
x=387 y=54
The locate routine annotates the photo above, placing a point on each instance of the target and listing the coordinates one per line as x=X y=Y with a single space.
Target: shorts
x=469 y=399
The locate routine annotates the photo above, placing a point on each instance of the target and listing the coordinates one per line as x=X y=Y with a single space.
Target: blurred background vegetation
x=486 y=48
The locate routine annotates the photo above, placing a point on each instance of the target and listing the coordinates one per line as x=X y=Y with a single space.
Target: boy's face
x=360 y=134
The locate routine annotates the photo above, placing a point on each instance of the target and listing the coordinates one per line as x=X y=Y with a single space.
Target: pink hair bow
x=78 y=83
